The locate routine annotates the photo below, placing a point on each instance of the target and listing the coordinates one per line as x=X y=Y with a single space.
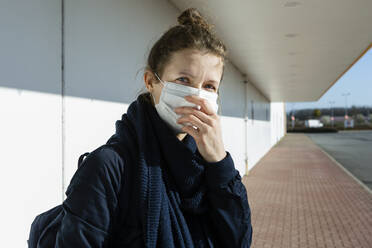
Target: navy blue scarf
x=170 y=176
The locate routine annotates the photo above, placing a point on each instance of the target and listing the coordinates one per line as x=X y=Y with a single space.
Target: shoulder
x=108 y=157
x=103 y=166
x=104 y=158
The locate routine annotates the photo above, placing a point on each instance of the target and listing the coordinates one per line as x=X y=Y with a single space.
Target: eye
x=213 y=88
x=183 y=81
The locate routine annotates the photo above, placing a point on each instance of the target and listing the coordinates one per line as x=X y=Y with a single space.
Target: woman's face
x=191 y=68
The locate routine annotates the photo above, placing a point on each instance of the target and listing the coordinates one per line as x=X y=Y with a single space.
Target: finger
x=193 y=120
x=192 y=111
x=192 y=131
x=204 y=104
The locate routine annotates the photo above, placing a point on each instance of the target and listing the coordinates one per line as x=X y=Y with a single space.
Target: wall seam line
x=63 y=93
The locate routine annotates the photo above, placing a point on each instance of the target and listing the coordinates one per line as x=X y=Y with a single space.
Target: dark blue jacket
x=96 y=202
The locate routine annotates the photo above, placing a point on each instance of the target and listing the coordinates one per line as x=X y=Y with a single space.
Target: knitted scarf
x=169 y=176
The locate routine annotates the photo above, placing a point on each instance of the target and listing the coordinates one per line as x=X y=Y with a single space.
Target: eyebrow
x=190 y=75
x=186 y=73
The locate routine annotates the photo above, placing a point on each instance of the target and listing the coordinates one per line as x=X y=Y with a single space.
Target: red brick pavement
x=300 y=198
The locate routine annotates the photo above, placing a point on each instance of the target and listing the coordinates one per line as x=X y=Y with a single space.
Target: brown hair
x=194 y=32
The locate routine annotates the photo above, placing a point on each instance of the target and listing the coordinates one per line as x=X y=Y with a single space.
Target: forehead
x=195 y=62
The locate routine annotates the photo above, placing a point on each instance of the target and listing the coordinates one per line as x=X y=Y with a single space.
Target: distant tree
x=317 y=113
x=304 y=114
x=325 y=119
x=354 y=111
x=359 y=119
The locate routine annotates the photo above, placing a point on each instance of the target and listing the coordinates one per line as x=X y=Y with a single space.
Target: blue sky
x=357 y=80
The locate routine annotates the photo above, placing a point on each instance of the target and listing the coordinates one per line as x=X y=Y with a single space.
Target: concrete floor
x=299 y=197
x=352 y=149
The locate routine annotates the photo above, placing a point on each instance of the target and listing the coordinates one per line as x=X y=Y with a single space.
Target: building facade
x=68 y=72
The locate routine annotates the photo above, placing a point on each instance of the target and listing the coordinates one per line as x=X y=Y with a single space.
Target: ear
x=149 y=80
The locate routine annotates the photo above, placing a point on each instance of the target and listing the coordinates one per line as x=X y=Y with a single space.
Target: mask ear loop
x=161 y=81
x=156 y=75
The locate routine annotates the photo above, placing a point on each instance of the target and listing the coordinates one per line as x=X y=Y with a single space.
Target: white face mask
x=172 y=96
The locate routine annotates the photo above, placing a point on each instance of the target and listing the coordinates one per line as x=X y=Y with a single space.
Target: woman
x=173 y=184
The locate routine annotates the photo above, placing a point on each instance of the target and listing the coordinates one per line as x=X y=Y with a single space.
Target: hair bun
x=192 y=17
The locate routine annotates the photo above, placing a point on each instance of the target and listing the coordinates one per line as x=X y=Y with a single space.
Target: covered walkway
x=299 y=197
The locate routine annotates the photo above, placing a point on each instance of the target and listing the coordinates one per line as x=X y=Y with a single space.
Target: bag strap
x=81 y=158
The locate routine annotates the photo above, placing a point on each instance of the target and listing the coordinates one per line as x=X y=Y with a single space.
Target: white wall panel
x=30 y=145
x=30 y=115
x=232 y=130
x=277 y=123
x=89 y=123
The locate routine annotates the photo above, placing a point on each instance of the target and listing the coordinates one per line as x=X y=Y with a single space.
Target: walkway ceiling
x=290 y=50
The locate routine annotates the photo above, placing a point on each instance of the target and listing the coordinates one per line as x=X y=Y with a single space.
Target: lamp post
x=346 y=116
x=332 y=114
x=293 y=120
x=293 y=117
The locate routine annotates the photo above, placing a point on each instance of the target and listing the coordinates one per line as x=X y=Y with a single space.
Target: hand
x=208 y=136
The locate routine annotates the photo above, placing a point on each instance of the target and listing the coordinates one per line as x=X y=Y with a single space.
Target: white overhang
x=290 y=50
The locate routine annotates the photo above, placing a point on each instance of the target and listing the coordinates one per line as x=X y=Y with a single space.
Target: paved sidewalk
x=300 y=198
